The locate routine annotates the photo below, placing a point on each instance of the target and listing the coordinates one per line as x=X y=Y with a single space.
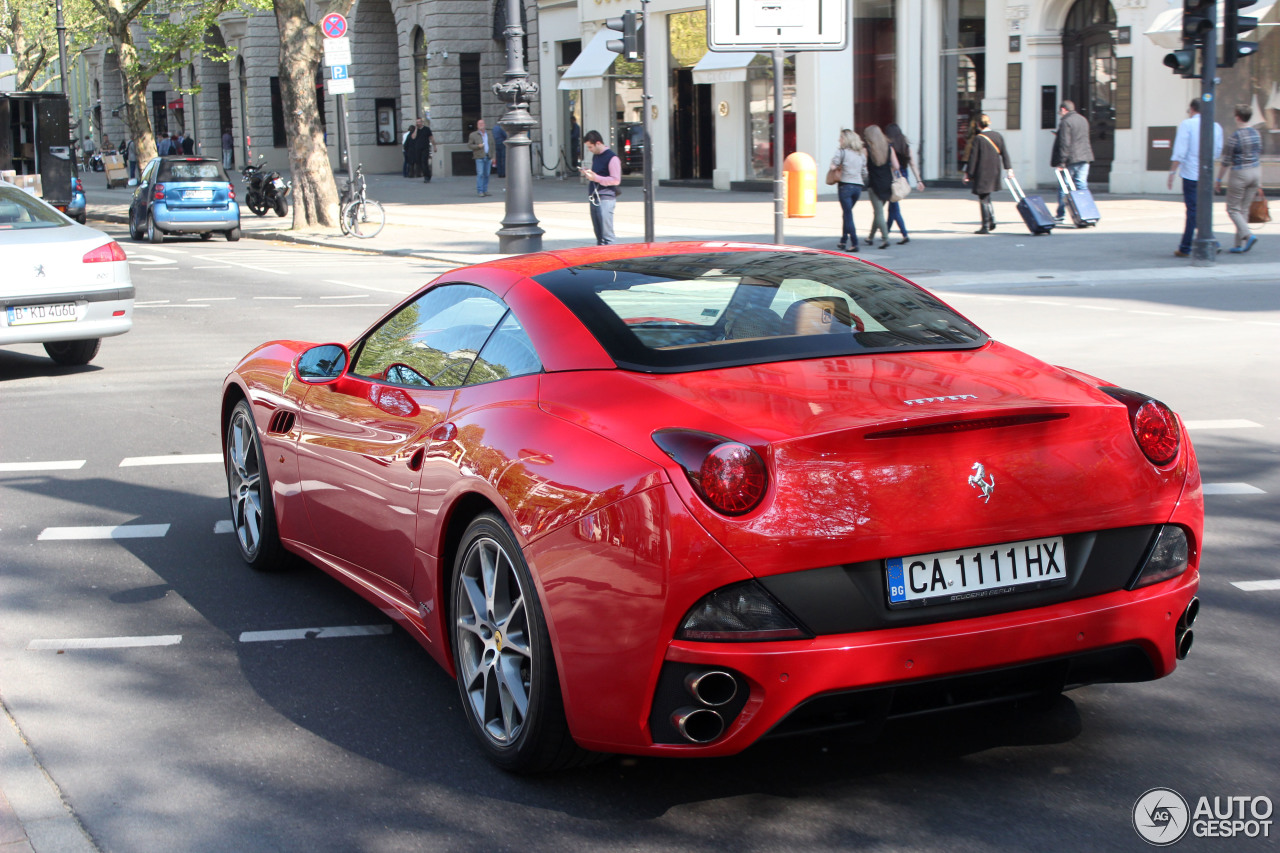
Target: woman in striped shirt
x=1241 y=155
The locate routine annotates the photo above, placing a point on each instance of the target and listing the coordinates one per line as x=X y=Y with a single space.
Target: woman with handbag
x=848 y=171
x=901 y=185
x=882 y=165
x=988 y=163
x=1242 y=155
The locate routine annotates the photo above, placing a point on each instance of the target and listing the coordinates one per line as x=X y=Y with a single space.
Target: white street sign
x=340 y=87
x=764 y=25
x=337 y=51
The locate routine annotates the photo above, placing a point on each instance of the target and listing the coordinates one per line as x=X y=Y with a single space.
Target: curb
x=34 y=816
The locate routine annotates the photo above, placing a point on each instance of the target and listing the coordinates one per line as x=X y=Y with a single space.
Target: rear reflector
x=109 y=252
x=966 y=426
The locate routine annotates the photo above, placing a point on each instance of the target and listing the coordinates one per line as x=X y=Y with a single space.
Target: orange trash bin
x=801 y=175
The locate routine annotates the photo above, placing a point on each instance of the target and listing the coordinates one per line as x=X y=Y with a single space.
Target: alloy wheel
x=244 y=481
x=494 y=651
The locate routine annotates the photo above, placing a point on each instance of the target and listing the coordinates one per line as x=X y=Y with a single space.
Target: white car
x=64 y=285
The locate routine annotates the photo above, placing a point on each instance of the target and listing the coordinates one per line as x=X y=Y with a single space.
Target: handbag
x=835 y=172
x=1258 y=210
x=899 y=189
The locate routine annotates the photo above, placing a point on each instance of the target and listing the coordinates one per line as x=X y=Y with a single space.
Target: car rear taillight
x=1155 y=426
x=159 y=194
x=76 y=186
x=231 y=192
x=108 y=252
x=729 y=475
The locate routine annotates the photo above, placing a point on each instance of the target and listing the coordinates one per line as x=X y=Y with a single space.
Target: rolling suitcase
x=1032 y=208
x=1079 y=201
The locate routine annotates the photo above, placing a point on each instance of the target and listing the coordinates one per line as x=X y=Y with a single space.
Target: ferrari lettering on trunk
x=951 y=576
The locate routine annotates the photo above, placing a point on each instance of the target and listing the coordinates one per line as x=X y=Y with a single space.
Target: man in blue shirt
x=1186 y=162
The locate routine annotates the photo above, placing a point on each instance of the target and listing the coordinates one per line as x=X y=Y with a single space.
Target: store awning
x=588 y=70
x=1166 y=30
x=722 y=67
x=175 y=104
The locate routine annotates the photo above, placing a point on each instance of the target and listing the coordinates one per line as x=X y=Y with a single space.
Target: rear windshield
x=20 y=211
x=192 y=170
x=691 y=312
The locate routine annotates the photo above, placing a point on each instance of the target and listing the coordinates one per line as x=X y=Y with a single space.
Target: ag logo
x=1161 y=816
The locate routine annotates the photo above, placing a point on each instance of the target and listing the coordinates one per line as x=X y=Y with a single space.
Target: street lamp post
x=520 y=232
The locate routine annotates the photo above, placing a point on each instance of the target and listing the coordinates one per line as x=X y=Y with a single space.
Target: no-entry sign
x=334 y=25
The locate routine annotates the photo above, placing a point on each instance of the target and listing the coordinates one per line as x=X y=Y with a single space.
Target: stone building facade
x=437 y=59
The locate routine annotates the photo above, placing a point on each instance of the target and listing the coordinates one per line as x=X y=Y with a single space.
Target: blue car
x=183 y=195
x=77 y=209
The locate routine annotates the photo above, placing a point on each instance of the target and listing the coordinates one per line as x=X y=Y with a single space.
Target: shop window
x=470 y=101
x=279 y=138
x=760 y=111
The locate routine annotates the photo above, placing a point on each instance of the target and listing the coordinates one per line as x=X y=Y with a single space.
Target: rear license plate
x=949 y=577
x=197 y=195
x=29 y=315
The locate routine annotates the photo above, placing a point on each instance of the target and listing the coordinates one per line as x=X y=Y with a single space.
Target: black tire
x=73 y=353
x=253 y=516
x=134 y=231
x=233 y=235
x=282 y=206
x=257 y=204
x=82 y=218
x=206 y=235
x=154 y=234
x=508 y=637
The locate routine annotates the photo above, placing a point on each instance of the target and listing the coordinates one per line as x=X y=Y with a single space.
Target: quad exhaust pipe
x=713 y=688
x=698 y=725
x=1183 y=636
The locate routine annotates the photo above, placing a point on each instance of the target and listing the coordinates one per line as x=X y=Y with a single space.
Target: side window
x=149 y=175
x=433 y=340
x=508 y=352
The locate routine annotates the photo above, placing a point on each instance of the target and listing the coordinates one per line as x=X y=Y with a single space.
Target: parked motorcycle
x=266 y=190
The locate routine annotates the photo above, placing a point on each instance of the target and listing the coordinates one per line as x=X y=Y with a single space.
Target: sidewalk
x=445 y=221
x=33 y=816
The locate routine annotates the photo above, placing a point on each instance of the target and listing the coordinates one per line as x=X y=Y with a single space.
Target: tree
x=315 y=195
x=167 y=31
x=28 y=31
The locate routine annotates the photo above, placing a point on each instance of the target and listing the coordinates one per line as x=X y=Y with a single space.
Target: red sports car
x=673 y=499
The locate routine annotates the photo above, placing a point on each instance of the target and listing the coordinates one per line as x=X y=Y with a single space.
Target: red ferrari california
x=673 y=499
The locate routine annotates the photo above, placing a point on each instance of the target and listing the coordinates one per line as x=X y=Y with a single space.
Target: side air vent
x=281 y=422
x=968 y=425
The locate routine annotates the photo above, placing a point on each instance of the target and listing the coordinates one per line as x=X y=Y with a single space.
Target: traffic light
x=629 y=44
x=1197 y=20
x=1183 y=61
x=1233 y=24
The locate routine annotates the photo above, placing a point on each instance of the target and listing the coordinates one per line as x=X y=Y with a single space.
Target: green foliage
x=28 y=30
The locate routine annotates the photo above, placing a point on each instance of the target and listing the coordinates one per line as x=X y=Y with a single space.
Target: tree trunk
x=315 y=195
x=136 y=116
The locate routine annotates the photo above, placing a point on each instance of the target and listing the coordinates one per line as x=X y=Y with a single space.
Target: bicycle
x=361 y=216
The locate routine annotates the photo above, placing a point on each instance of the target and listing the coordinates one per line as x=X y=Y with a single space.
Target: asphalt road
x=226 y=739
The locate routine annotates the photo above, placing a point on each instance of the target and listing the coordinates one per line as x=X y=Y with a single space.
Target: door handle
x=443 y=432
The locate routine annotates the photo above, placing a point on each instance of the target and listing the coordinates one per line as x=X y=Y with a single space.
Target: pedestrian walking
x=87 y=149
x=482 y=150
x=851 y=158
x=500 y=139
x=186 y=144
x=1185 y=162
x=988 y=162
x=131 y=157
x=902 y=148
x=1242 y=157
x=882 y=164
x=602 y=188
x=1071 y=151
x=228 y=148
x=425 y=146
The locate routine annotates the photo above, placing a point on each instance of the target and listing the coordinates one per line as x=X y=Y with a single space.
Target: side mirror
x=322 y=364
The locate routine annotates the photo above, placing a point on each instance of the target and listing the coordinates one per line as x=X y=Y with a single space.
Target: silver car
x=65 y=285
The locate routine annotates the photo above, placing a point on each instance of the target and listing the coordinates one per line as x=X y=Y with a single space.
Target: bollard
x=802 y=185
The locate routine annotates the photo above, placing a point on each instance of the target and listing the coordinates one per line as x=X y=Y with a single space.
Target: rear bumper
x=100 y=318
x=803 y=685
x=200 y=219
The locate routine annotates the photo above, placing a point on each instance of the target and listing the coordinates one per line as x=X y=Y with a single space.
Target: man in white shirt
x=1186 y=162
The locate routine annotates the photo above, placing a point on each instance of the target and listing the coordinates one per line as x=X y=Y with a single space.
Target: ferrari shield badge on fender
x=979 y=480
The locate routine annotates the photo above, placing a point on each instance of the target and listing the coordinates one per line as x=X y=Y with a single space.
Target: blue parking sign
x=337 y=72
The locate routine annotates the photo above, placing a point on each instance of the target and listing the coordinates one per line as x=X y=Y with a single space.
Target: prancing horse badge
x=979 y=480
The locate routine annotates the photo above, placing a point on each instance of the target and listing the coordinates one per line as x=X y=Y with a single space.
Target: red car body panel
x=370 y=481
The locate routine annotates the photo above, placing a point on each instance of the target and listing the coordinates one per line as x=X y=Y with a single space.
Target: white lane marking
x=149 y=303
x=67 y=465
x=314 y=633
x=1231 y=489
x=1256 y=586
x=224 y=526
x=361 y=305
x=149 y=261
x=255 y=267
x=1227 y=424
x=179 y=459
x=121 y=531
x=104 y=643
